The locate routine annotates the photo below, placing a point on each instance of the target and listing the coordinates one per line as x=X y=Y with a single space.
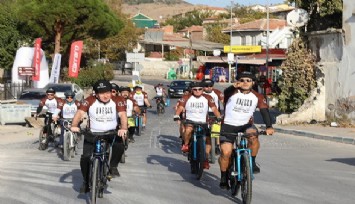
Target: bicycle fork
x=195 y=137
x=238 y=172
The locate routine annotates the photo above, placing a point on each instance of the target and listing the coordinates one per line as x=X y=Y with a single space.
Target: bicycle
x=197 y=154
x=100 y=169
x=160 y=105
x=139 y=121
x=240 y=173
x=213 y=126
x=70 y=141
x=49 y=132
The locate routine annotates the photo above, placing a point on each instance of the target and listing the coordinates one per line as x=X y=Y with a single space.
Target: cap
x=102 y=86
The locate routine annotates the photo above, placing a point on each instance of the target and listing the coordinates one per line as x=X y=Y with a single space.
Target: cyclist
x=53 y=104
x=196 y=107
x=142 y=99
x=132 y=106
x=218 y=97
x=115 y=89
x=161 y=93
x=68 y=111
x=241 y=102
x=102 y=112
x=182 y=114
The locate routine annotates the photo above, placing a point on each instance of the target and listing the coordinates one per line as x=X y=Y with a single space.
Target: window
x=253 y=40
x=244 y=40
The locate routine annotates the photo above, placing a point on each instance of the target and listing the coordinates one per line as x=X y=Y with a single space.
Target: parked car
x=61 y=88
x=177 y=87
x=32 y=97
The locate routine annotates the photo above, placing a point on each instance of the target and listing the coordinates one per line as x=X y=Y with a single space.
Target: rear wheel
x=213 y=150
x=43 y=139
x=200 y=157
x=66 y=147
x=139 y=126
x=94 y=181
x=246 y=181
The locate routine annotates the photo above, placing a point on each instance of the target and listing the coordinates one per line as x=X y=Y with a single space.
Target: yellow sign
x=242 y=49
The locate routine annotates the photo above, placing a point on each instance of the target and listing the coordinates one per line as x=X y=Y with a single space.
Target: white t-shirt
x=196 y=109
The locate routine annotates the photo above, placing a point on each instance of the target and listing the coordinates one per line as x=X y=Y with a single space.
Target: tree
x=10 y=37
x=214 y=34
x=324 y=14
x=66 y=21
x=298 y=77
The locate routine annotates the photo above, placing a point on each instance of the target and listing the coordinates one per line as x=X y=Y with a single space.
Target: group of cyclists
x=109 y=107
x=202 y=102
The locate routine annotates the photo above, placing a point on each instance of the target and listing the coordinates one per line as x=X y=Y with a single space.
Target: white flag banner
x=55 y=69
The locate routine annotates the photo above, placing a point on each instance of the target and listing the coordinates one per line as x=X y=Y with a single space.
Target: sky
x=227 y=3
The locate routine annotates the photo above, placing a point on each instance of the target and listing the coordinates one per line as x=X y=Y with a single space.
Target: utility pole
x=267 y=37
x=230 y=47
x=190 y=58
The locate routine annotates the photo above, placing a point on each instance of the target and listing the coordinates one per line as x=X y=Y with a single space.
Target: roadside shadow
x=349 y=161
x=209 y=182
x=74 y=177
x=170 y=144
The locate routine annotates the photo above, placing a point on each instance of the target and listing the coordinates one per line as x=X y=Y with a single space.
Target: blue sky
x=225 y=3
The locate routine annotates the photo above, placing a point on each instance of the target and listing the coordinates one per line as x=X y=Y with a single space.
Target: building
x=142 y=21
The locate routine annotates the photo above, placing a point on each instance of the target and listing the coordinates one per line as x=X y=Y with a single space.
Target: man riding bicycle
x=142 y=99
x=68 y=111
x=217 y=97
x=53 y=104
x=241 y=102
x=132 y=107
x=161 y=93
x=196 y=107
x=102 y=112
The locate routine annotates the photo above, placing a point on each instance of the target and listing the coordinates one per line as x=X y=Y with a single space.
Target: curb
x=344 y=140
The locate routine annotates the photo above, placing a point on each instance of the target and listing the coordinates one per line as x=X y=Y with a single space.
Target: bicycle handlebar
x=241 y=134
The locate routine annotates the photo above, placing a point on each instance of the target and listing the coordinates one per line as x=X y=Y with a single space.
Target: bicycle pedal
x=234 y=173
x=109 y=177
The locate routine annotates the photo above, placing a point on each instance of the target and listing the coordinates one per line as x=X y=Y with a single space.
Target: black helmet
x=102 y=86
x=196 y=84
x=246 y=75
x=69 y=93
x=50 y=90
x=125 y=88
x=115 y=86
x=137 y=87
x=207 y=82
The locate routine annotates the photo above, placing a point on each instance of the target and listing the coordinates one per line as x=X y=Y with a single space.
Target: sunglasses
x=245 y=80
x=68 y=97
x=252 y=134
x=199 y=89
x=50 y=94
x=114 y=91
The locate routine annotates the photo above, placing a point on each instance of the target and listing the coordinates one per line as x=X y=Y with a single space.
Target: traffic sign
x=135 y=57
x=26 y=71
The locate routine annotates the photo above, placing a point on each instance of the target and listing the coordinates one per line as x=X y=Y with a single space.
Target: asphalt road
x=293 y=170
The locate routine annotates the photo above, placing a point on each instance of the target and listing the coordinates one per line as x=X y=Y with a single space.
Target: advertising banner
x=37 y=59
x=55 y=73
x=74 y=59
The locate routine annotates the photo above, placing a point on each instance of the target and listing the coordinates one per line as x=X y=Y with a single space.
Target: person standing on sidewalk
x=241 y=102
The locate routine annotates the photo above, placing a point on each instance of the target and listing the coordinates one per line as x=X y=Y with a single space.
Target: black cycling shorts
x=231 y=129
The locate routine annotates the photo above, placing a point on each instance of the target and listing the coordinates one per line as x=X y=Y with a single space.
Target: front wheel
x=43 y=139
x=246 y=181
x=68 y=151
x=94 y=181
x=213 y=150
x=200 y=156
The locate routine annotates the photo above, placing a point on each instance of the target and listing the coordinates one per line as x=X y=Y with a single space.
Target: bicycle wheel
x=66 y=147
x=233 y=181
x=43 y=140
x=246 y=181
x=193 y=163
x=139 y=127
x=213 y=150
x=94 y=181
x=200 y=157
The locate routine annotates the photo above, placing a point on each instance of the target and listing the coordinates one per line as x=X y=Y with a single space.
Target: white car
x=61 y=88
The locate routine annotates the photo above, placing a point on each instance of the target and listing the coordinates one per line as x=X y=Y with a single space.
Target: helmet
x=207 y=82
x=50 y=90
x=196 y=84
x=246 y=75
x=102 y=86
x=115 y=86
x=160 y=84
x=69 y=93
x=137 y=87
x=125 y=88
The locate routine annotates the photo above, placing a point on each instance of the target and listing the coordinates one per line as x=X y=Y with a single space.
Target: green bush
x=89 y=75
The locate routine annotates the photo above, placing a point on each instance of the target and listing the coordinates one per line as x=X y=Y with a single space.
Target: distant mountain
x=169 y=2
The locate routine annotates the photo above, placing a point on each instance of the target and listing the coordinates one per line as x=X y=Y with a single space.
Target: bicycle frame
x=197 y=132
x=240 y=147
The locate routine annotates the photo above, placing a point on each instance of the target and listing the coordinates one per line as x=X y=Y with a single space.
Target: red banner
x=37 y=59
x=74 y=59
